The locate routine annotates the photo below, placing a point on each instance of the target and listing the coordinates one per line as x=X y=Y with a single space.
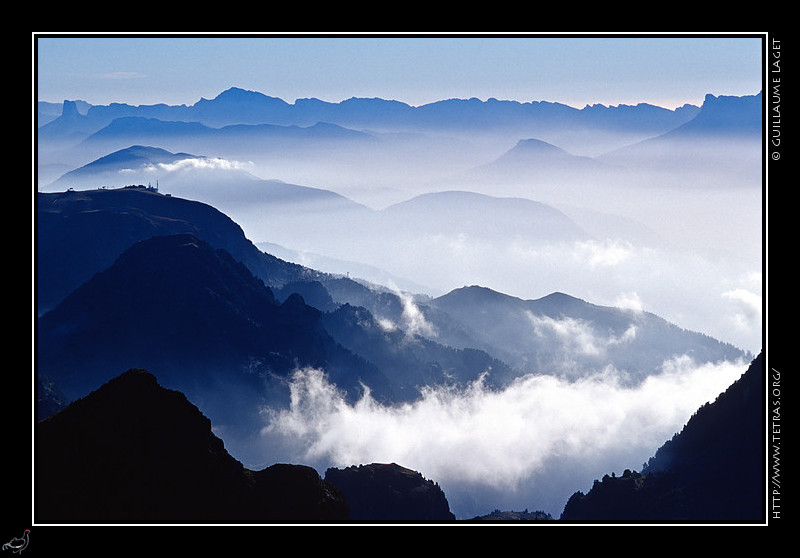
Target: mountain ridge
x=135 y=452
x=711 y=471
x=255 y=100
x=177 y=305
x=294 y=304
x=67 y=223
x=531 y=335
x=381 y=114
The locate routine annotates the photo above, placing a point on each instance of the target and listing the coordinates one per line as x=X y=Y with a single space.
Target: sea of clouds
x=529 y=446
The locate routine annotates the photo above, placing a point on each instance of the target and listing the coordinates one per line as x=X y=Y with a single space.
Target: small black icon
x=18 y=544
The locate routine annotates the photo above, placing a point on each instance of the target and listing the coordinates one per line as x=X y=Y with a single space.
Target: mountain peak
x=473 y=294
x=146 y=454
x=70 y=109
x=244 y=95
x=728 y=114
x=537 y=145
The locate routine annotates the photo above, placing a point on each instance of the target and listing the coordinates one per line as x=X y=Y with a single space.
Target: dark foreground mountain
x=389 y=492
x=201 y=321
x=713 y=470
x=135 y=452
x=82 y=232
x=474 y=329
x=114 y=321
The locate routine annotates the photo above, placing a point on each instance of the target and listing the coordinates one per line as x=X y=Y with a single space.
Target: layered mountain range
x=150 y=281
x=238 y=106
x=453 y=141
x=160 y=248
x=131 y=274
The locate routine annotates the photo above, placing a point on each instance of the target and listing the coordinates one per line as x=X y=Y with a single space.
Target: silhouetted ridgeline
x=82 y=232
x=131 y=278
x=238 y=106
x=389 y=492
x=713 y=470
x=135 y=452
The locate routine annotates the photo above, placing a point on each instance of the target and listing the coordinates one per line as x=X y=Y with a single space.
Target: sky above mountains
x=574 y=70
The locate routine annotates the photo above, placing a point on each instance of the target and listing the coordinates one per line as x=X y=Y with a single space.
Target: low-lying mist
x=684 y=236
x=529 y=446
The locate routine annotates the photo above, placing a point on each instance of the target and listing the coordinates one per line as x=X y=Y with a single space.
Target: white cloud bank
x=529 y=446
x=200 y=163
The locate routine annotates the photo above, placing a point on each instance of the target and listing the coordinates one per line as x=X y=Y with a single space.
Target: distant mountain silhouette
x=723 y=141
x=478 y=216
x=534 y=159
x=214 y=181
x=145 y=165
x=725 y=115
x=150 y=129
x=320 y=221
x=389 y=492
x=48 y=111
x=309 y=138
x=713 y=470
x=338 y=267
x=135 y=452
x=69 y=128
x=233 y=140
x=239 y=106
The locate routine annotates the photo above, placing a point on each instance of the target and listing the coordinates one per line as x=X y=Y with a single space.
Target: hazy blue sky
x=574 y=70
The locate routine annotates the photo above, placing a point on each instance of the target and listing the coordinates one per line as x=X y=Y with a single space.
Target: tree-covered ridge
x=711 y=471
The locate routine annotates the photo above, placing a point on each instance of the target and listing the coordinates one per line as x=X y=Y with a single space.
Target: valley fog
x=674 y=229
x=529 y=446
x=682 y=245
x=675 y=242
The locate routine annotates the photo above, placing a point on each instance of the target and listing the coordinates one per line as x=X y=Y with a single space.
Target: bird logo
x=18 y=544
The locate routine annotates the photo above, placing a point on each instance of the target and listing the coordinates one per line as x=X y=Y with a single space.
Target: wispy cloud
x=121 y=75
x=629 y=301
x=413 y=319
x=204 y=163
x=607 y=253
x=578 y=336
x=749 y=305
